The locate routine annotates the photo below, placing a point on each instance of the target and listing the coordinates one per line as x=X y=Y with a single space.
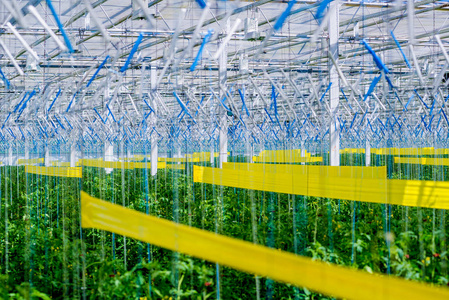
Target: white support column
x=10 y=160
x=47 y=160
x=410 y=21
x=153 y=157
x=154 y=148
x=27 y=149
x=108 y=154
x=212 y=140
x=334 y=92
x=153 y=77
x=367 y=153
x=73 y=154
x=223 y=139
x=179 y=154
x=303 y=151
x=249 y=150
x=212 y=154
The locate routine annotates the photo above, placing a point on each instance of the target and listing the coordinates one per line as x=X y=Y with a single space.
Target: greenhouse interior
x=213 y=149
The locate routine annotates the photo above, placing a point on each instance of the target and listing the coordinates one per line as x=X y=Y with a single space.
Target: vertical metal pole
x=212 y=140
x=108 y=154
x=334 y=153
x=73 y=154
x=154 y=150
x=367 y=153
x=303 y=151
x=27 y=149
x=410 y=20
x=222 y=75
x=249 y=150
x=108 y=151
x=153 y=158
x=212 y=158
x=10 y=160
x=47 y=155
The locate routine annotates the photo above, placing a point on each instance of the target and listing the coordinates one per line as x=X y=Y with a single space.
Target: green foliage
x=45 y=253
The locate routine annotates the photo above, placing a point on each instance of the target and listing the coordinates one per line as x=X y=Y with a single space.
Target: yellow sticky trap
x=100 y=163
x=142 y=165
x=74 y=172
x=418 y=193
x=90 y=162
x=178 y=159
x=31 y=161
x=287 y=160
x=430 y=161
x=60 y=164
x=410 y=151
x=329 y=279
x=176 y=166
x=285 y=156
x=345 y=171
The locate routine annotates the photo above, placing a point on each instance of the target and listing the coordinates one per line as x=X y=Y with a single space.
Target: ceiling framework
x=265 y=73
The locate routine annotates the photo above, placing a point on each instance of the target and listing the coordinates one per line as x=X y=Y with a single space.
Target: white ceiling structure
x=260 y=72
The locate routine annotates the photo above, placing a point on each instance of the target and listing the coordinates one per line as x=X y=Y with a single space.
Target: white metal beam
x=334 y=92
x=222 y=75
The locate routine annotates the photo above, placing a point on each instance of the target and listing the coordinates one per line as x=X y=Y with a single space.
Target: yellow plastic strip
x=75 y=172
x=178 y=159
x=196 y=156
x=142 y=165
x=176 y=166
x=100 y=163
x=90 y=162
x=431 y=161
x=60 y=164
x=330 y=279
x=345 y=171
x=410 y=151
x=352 y=150
x=400 y=151
x=285 y=156
x=432 y=194
x=204 y=156
x=31 y=161
x=287 y=160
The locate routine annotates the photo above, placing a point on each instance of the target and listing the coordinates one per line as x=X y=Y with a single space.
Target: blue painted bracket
x=25 y=103
x=421 y=99
x=182 y=105
x=200 y=50
x=21 y=101
x=372 y=86
x=57 y=120
x=131 y=54
x=70 y=125
x=71 y=102
x=104 y=122
x=321 y=9
x=54 y=100
x=7 y=83
x=61 y=27
x=110 y=112
x=201 y=3
x=325 y=92
x=97 y=71
x=280 y=21
x=408 y=102
x=400 y=49
x=376 y=58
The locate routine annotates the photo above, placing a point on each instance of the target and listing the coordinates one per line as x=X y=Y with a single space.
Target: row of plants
x=45 y=253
